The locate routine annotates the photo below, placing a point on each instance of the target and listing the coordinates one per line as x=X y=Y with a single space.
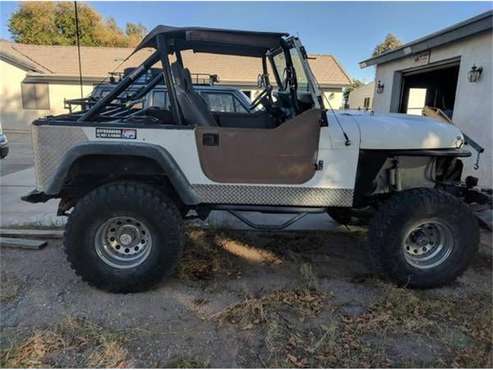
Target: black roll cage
x=171 y=40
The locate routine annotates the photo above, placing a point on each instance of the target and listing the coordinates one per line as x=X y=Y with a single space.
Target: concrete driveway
x=17 y=179
x=20 y=156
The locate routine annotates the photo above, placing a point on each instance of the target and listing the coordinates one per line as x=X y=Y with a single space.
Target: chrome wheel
x=123 y=242
x=428 y=244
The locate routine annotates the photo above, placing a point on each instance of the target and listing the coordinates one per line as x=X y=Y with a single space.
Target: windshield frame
x=295 y=49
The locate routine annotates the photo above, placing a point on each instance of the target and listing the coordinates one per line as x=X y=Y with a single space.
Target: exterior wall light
x=474 y=75
x=380 y=87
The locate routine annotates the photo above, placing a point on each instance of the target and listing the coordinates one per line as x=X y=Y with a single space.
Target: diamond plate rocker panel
x=274 y=195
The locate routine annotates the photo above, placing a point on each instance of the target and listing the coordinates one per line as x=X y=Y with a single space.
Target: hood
x=402 y=131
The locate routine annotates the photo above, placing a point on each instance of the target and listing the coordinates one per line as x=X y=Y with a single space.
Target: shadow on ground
x=246 y=299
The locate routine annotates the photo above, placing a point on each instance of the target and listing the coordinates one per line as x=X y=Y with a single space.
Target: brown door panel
x=284 y=155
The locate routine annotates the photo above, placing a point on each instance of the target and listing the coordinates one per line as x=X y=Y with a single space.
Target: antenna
x=346 y=138
x=78 y=47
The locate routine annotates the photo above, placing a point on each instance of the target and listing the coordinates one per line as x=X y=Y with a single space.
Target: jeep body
x=288 y=152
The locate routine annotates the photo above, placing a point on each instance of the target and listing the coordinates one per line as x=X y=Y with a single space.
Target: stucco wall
x=59 y=92
x=358 y=95
x=473 y=108
x=12 y=114
x=334 y=96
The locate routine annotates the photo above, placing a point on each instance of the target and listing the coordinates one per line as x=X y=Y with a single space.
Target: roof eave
x=470 y=27
x=333 y=85
x=48 y=77
x=27 y=66
x=60 y=78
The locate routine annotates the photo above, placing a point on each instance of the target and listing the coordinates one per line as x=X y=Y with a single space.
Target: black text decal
x=116 y=133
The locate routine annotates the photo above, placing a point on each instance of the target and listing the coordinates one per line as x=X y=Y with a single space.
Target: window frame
x=39 y=100
x=165 y=96
x=235 y=101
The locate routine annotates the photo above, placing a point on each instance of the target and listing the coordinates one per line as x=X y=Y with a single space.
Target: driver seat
x=193 y=107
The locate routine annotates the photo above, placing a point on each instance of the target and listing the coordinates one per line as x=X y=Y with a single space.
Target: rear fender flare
x=150 y=151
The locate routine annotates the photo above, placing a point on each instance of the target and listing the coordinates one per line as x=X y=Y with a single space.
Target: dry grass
x=253 y=311
x=453 y=331
x=459 y=330
x=110 y=354
x=203 y=257
x=87 y=344
x=402 y=312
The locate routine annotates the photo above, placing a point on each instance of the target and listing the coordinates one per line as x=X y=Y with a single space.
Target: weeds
x=253 y=311
x=372 y=338
x=71 y=338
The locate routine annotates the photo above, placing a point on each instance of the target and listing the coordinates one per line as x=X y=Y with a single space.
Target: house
x=451 y=70
x=36 y=79
x=362 y=97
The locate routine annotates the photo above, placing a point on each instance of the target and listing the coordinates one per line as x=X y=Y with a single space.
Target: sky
x=347 y=30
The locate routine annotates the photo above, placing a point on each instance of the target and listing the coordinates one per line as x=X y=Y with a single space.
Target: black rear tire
x=402 y=221
x=145 y=207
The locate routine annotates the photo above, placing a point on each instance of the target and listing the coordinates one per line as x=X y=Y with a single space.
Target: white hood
x=402 y=131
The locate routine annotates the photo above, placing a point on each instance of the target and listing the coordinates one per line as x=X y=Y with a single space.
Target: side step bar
x=282 y=226
x=299 y=213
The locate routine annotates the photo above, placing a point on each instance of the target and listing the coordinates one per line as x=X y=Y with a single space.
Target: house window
x=366 y=103
x=35 y=95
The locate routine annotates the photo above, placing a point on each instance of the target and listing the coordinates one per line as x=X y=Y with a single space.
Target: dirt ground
x=246 y=299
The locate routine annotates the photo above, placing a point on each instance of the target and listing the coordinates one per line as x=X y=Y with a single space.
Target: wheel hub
x=428 y=244
x=123 y=242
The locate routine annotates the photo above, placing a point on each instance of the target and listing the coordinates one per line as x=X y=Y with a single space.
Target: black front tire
x=119 y=200
x=392 y=227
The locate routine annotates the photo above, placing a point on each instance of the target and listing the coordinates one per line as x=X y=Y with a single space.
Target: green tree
x=53 y=23
x=135 y=33
x=109 y=34
x=391 y=42
x=354 y=84
x=34 y=23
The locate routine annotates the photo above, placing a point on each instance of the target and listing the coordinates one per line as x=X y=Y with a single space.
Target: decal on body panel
x=116 y=133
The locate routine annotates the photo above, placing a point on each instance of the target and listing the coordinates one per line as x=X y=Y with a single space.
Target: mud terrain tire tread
x=388 y=225
x=106 y=201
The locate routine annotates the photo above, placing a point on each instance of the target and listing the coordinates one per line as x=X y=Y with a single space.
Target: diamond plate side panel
x=274 y=195
x=50 y=143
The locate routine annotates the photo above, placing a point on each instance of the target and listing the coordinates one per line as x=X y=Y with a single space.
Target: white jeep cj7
x=127 y=176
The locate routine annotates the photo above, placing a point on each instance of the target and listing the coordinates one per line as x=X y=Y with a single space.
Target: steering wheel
x=264 y=96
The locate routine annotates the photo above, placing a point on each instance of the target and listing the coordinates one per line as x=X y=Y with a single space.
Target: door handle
x=210 y=139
